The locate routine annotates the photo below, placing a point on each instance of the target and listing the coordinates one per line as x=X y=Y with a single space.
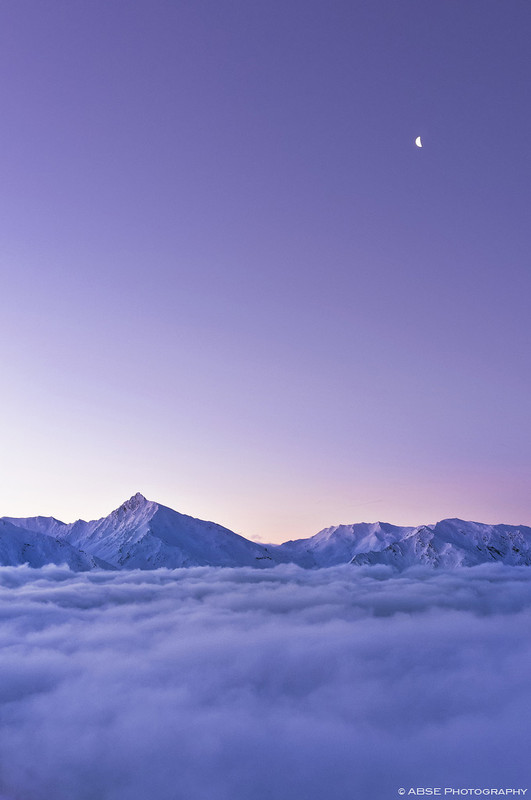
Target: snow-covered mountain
x=19 y=545
x=339 y=543
x=455 y=543
x=146 y=535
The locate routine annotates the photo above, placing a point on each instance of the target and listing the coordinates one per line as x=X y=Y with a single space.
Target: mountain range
x=142 y=534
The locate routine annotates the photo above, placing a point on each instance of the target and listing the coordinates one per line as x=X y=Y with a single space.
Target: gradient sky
x=230 y=280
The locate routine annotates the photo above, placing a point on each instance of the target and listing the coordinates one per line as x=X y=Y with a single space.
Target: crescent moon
x=418 y=142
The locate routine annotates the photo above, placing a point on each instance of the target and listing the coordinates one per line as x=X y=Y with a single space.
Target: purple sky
x=231 y=281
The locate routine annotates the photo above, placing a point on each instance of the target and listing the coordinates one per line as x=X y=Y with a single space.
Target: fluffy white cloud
x=225 y=684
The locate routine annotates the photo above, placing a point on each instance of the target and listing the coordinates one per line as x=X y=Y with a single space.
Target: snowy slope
x=455 y=543
x=48 y=525
x=339 y=543
x=21 y=546
x=146 y=535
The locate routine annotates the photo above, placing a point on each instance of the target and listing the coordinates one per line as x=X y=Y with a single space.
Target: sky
x=286 y=683
x=230 y=280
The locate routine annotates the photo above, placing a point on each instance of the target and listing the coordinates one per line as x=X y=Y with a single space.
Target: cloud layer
x=225 y=684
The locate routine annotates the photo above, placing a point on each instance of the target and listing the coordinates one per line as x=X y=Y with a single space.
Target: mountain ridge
x=143 y=534
x=20 y=545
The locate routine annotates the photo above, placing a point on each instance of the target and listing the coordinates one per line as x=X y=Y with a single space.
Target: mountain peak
x=138 y=497
x=134 y=502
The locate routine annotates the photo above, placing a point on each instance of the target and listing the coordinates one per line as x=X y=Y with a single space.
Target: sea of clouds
x=242 y=684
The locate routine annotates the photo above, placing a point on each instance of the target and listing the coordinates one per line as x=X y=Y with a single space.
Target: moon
x=418 y=142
